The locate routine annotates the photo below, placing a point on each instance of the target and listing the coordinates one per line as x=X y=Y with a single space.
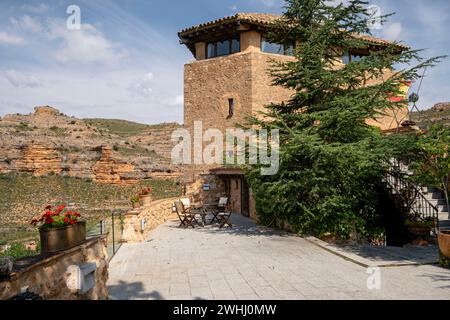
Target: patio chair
x=192 y=209
x=186 y=203
x=223 y=217
x=186 y=218
x=220 y=208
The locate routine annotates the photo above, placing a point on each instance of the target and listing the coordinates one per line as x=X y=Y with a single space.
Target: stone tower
x=229 y=78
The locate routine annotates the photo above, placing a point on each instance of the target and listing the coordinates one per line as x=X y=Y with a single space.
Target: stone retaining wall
x=47 y=276
x=155 y=214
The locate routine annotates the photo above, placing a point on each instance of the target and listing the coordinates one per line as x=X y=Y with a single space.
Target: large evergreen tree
x=331 y=161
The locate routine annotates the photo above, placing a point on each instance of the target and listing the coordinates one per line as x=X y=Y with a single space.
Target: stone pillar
x=200 y=50
x=251 y=41
x=132 y=226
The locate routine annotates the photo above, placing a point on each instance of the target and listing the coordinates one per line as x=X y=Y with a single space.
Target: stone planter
x=55 y=240
x=444 y=243
x=146 y=200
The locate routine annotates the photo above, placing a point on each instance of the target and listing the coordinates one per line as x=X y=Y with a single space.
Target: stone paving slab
x=251 y=263
x=377 y=256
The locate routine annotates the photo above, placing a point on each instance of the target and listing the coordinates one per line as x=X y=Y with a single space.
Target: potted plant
x=145 y=196
x=444 y=243
x=420 y=229
x=59 y=229
x=135 y=201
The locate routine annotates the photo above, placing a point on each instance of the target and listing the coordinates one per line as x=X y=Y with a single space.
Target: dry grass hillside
x=94 y=165
x=24 y=195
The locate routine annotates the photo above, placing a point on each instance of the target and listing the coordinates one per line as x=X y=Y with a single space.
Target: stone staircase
x=437 y=199
x=412 y=199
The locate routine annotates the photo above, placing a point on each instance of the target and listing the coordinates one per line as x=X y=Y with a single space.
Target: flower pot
x=444 y=243
x=146 y=200
x=55 y=240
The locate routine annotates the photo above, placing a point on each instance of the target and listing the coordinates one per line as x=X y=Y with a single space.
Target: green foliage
x=331 y=161
x=431 y=162
x=134 y=199
x=121 y=128
x=18 y=250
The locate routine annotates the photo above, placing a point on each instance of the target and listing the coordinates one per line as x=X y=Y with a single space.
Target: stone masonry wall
x=48 y=277
x=155 y=214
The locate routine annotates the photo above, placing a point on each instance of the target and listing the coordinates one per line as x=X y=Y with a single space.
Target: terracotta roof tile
x=266 y=19
x=256 y=18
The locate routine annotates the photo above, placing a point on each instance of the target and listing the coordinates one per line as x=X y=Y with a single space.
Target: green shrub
x=18 y=250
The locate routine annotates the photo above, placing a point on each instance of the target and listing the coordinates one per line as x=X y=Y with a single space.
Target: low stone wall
x=155 y=213
x=47 y=275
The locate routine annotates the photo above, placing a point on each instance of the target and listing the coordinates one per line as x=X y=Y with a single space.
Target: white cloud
x=86 y=45
x=35 y=8
x=27 y=23
x=142 y=87
x=20 y=79
x=9 y=39
x=392 y=31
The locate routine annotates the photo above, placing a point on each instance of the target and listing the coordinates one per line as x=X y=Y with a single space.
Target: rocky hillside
x=106 y=151
x=440 y=113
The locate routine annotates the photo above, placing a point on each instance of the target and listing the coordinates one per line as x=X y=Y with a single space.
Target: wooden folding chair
x=221 y=206
x=224 y=217
x=191 y=209
x=186 y=218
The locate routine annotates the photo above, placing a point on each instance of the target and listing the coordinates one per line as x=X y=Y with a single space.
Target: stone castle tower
x=230 y=80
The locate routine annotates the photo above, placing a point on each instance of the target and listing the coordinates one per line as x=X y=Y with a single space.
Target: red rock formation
x=39 y=160
x=109 y=170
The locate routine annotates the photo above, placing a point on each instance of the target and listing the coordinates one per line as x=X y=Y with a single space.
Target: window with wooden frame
x=222 y=47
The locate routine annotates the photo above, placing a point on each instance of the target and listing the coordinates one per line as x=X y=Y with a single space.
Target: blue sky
x=126 y=61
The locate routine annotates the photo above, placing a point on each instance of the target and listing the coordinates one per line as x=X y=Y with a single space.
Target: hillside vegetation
x=440 y=113
x=24 y=195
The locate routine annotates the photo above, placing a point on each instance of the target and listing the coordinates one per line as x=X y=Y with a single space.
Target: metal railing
x=112 y=227
x=410 y=197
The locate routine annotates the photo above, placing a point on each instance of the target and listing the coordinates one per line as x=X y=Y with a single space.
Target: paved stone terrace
x=251 y=262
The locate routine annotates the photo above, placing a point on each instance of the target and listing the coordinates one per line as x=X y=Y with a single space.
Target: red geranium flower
x=66 y=220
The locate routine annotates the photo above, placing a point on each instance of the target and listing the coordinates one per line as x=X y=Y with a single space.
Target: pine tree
x=331 y=160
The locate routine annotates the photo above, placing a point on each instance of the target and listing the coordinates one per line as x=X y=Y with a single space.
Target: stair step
x=437 y=202
x=434 y=196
